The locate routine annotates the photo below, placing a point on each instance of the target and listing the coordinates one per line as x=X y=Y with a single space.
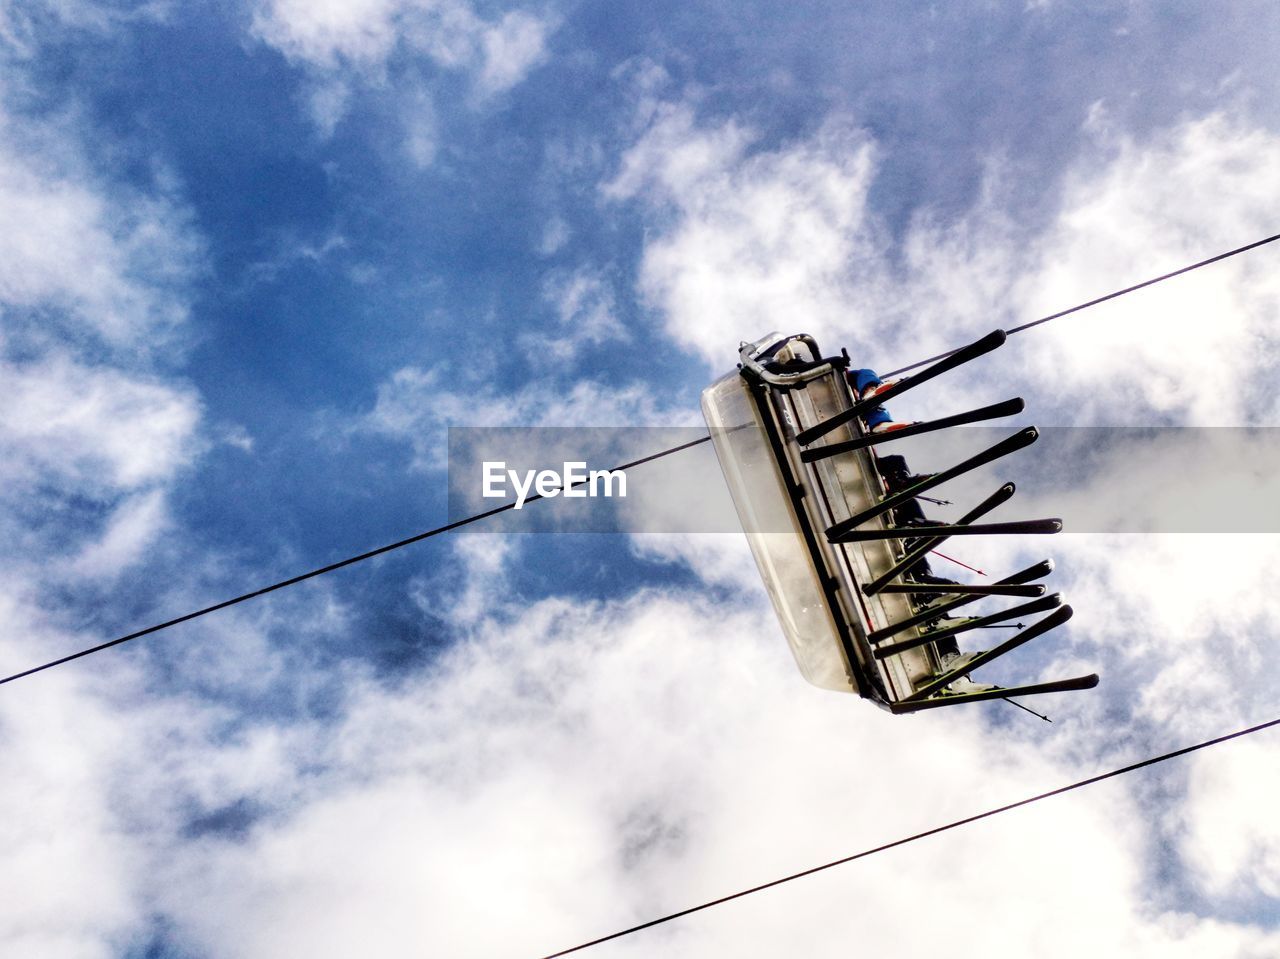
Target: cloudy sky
x=257 y=255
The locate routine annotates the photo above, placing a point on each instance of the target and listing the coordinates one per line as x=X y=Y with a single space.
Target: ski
x=995 y=411
x=913 y=556
x=961 y=356
x=997 y=692
x=1026 y=609
x=1009 y=444
x=1056 y=618
x=1035 y=571
x=978 y=589
x=1022 y=527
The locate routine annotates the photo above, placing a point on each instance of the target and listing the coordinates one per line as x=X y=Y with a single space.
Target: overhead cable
x=1134 y=767
x=323 y=569
x=1102 y=299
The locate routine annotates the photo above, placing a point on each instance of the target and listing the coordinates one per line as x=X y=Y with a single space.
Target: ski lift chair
x=801 y=467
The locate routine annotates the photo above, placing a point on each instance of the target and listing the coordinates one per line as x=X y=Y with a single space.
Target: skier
x=898 y=477
x=867 y=384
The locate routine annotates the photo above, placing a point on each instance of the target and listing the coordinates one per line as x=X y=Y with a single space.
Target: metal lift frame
x=839 y=516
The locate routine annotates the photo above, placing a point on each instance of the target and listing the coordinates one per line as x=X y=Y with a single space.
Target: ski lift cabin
x=826 y=531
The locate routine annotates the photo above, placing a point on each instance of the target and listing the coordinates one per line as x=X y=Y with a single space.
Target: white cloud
x=1127 y=211
x=717 y=559
x=512 y=47
x=113 y=259
x=554 y=237
x=750 y=240
x=348 y=45
x=744 y=241
x=23 y=23
x=421 y=135
x=130 y=529
x=95 y=282
x=235 y=435
x=1233 y=835
x=674 y=157
x=1201 y=188
x=417 y=406
x=332 y=31
x=328 y=103
x=596 y=766
x=587 y=313
x=69 y=873
x=102 y=770
x=92 y=428
x=292 y=251
x=481 y=562
x=1181 y=621
x=740 y=234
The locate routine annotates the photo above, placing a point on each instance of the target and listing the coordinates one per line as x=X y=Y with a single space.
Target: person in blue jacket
x=867 y=384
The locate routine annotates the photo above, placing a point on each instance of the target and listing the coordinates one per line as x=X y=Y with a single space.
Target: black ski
x=1026 y=609
x=1035 y=571
x=1056 y=618
x=961 y=356
x=995 y=411
x=1022 y=526
x=996 y=692
x=1000 y=496
x=1009 y=444
x=972 y=589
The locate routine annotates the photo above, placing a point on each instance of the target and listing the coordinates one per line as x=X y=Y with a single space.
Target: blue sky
x=257 y=256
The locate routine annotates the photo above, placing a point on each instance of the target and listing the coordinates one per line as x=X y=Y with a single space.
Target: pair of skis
x=937 y=690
